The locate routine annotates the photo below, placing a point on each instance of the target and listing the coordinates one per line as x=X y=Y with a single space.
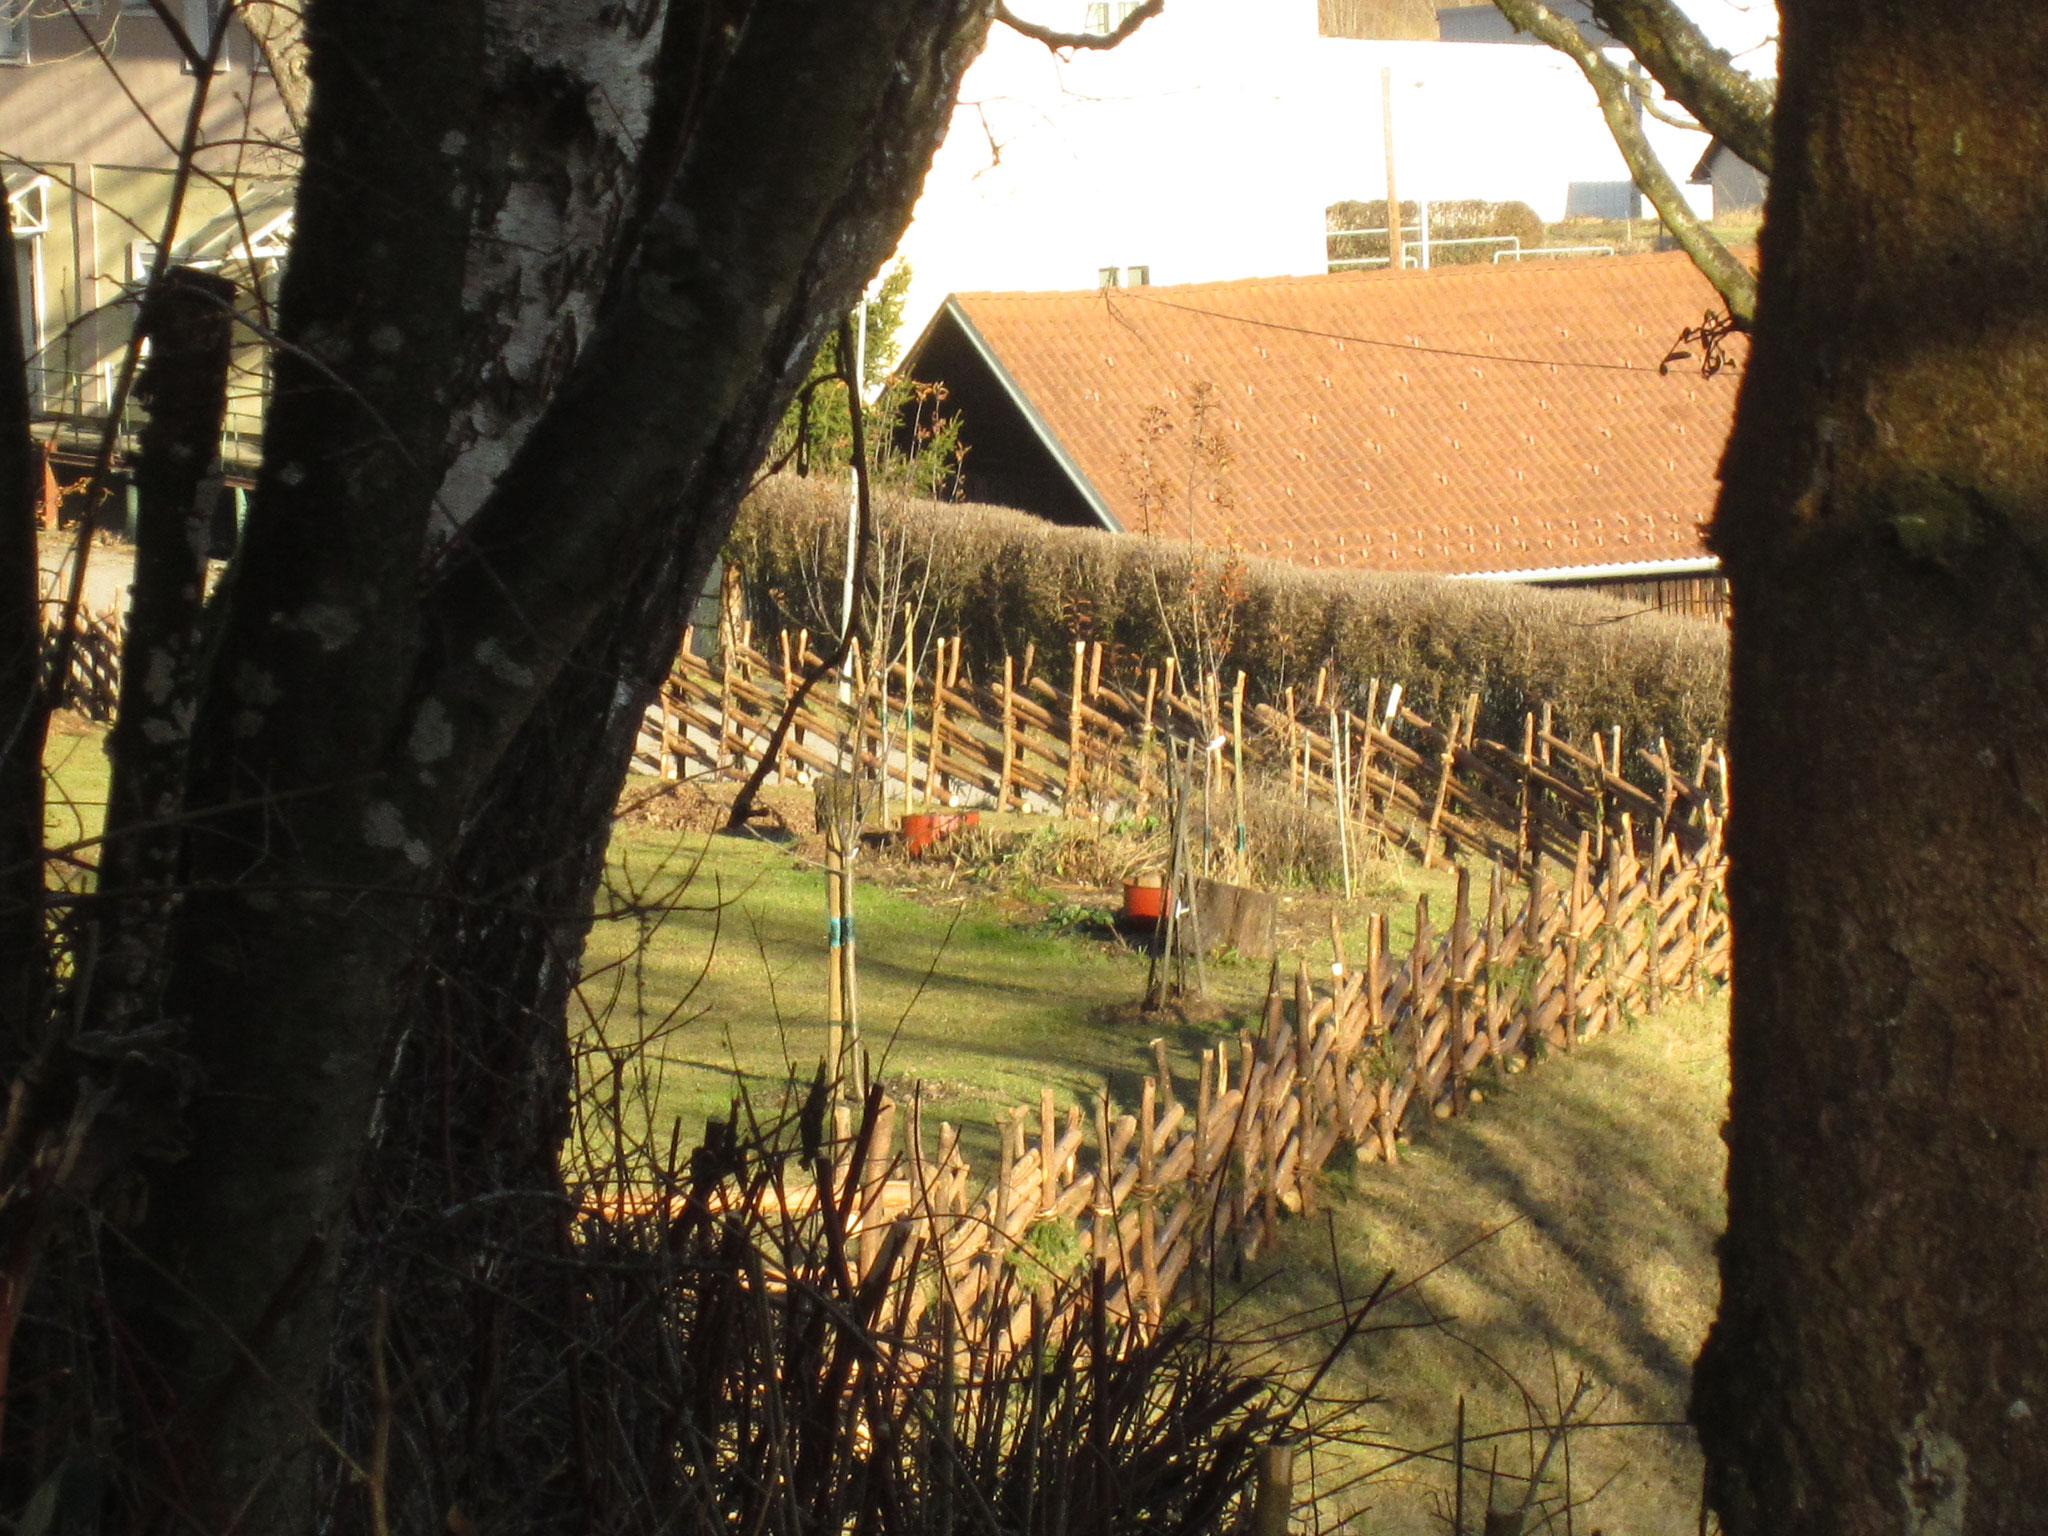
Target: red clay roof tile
x=1462 y=420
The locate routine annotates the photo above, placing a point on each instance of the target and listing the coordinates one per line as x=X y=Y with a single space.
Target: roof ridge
x=1460 y=272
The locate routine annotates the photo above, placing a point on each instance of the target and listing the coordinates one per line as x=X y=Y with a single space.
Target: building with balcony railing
x=135 y=136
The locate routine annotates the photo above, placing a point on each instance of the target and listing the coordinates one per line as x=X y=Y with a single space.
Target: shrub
x=1001 y=580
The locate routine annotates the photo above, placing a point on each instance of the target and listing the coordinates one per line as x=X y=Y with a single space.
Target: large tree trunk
x=376 y=726
x=22 y=714
x=1881 y=1362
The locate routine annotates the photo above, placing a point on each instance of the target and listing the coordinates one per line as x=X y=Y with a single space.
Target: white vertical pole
x=1395 y=257
x=860 y=369
x=846 y=595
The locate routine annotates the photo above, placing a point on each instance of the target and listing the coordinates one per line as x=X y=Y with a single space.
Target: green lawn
x=75 y=787
x=715 y=962
x=972 y=997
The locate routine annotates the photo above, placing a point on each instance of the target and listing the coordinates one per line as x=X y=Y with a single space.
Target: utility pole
x=1396 y=258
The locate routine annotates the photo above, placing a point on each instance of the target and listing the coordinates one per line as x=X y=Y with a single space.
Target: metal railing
x=1412 y=251
x=1548 y=251
x=75 y=403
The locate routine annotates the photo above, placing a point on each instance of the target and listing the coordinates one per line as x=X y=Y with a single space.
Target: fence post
x=1575 y=906
x=874 y=1184
x=1269 y=1154
x=1104 y=1242
x=1340 y=788
x=1072 y=806
x=1532 y=929
x=1702 y=899
x=1048 y=1141
x=1488 y=959
x=1144 y=768
x=1237 y=768
x=1459 y=986
x=1009 y=732
x=1600 y=771
x=1612 y=949
x=1375 y=983
x=728 y=646
x=1293 y=730
x=1148 y=1198
x=1443 y=794
x=1273 y=1499
x=1364 y=774
x=994 y=1240
x=909 y=718
x=1526 y=836
x=1375 y=991
x=1168 y=1099
x=938 y=725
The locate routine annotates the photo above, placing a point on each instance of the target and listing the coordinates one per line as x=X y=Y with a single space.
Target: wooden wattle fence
x=1209 y=1158
x=93 y=685
x=1075 y=742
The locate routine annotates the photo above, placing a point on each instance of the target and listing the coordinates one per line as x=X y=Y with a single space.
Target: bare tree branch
x=864 y=548
x=1731 y=279
x=1664 y=114
x=280 y=32
x=199 y=63
x=1730 y=103
x=1097 y=40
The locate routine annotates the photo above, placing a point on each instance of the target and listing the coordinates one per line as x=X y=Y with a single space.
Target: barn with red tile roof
x=1511 y=422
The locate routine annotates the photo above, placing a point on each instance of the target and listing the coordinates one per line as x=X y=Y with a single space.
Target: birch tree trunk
x=404 y=666
x=1880 y=1363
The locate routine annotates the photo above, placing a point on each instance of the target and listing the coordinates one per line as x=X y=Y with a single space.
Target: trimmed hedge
x=1000 y=579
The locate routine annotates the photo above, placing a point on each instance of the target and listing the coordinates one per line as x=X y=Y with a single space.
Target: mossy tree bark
x=1880 y=1361
x=390 y=700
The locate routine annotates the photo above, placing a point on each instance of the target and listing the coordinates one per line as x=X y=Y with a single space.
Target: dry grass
x=1059 y=852
x=1002 y=580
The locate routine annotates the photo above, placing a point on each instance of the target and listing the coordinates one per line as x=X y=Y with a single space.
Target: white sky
x=1207 y=146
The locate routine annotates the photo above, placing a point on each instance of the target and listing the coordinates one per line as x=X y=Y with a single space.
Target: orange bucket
x=1144 y=905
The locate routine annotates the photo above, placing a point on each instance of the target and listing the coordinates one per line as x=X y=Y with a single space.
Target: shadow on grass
x=1600 y=1176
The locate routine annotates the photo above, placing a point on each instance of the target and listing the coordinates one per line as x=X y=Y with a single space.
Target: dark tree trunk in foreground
x=21 y=706
x=406 y=743
x=189 y=324
x=1880 y=1363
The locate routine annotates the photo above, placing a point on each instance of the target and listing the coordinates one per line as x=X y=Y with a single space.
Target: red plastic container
x=923 y=829
x=1144 y=905
x=920 y=831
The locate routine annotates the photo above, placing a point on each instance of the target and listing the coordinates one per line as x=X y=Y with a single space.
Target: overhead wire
x=1395 y=346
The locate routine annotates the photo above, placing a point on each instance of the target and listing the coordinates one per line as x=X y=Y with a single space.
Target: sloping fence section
x=1202 y=1167
x=1025 y=744
x=1075 y=742
x=93 y=684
